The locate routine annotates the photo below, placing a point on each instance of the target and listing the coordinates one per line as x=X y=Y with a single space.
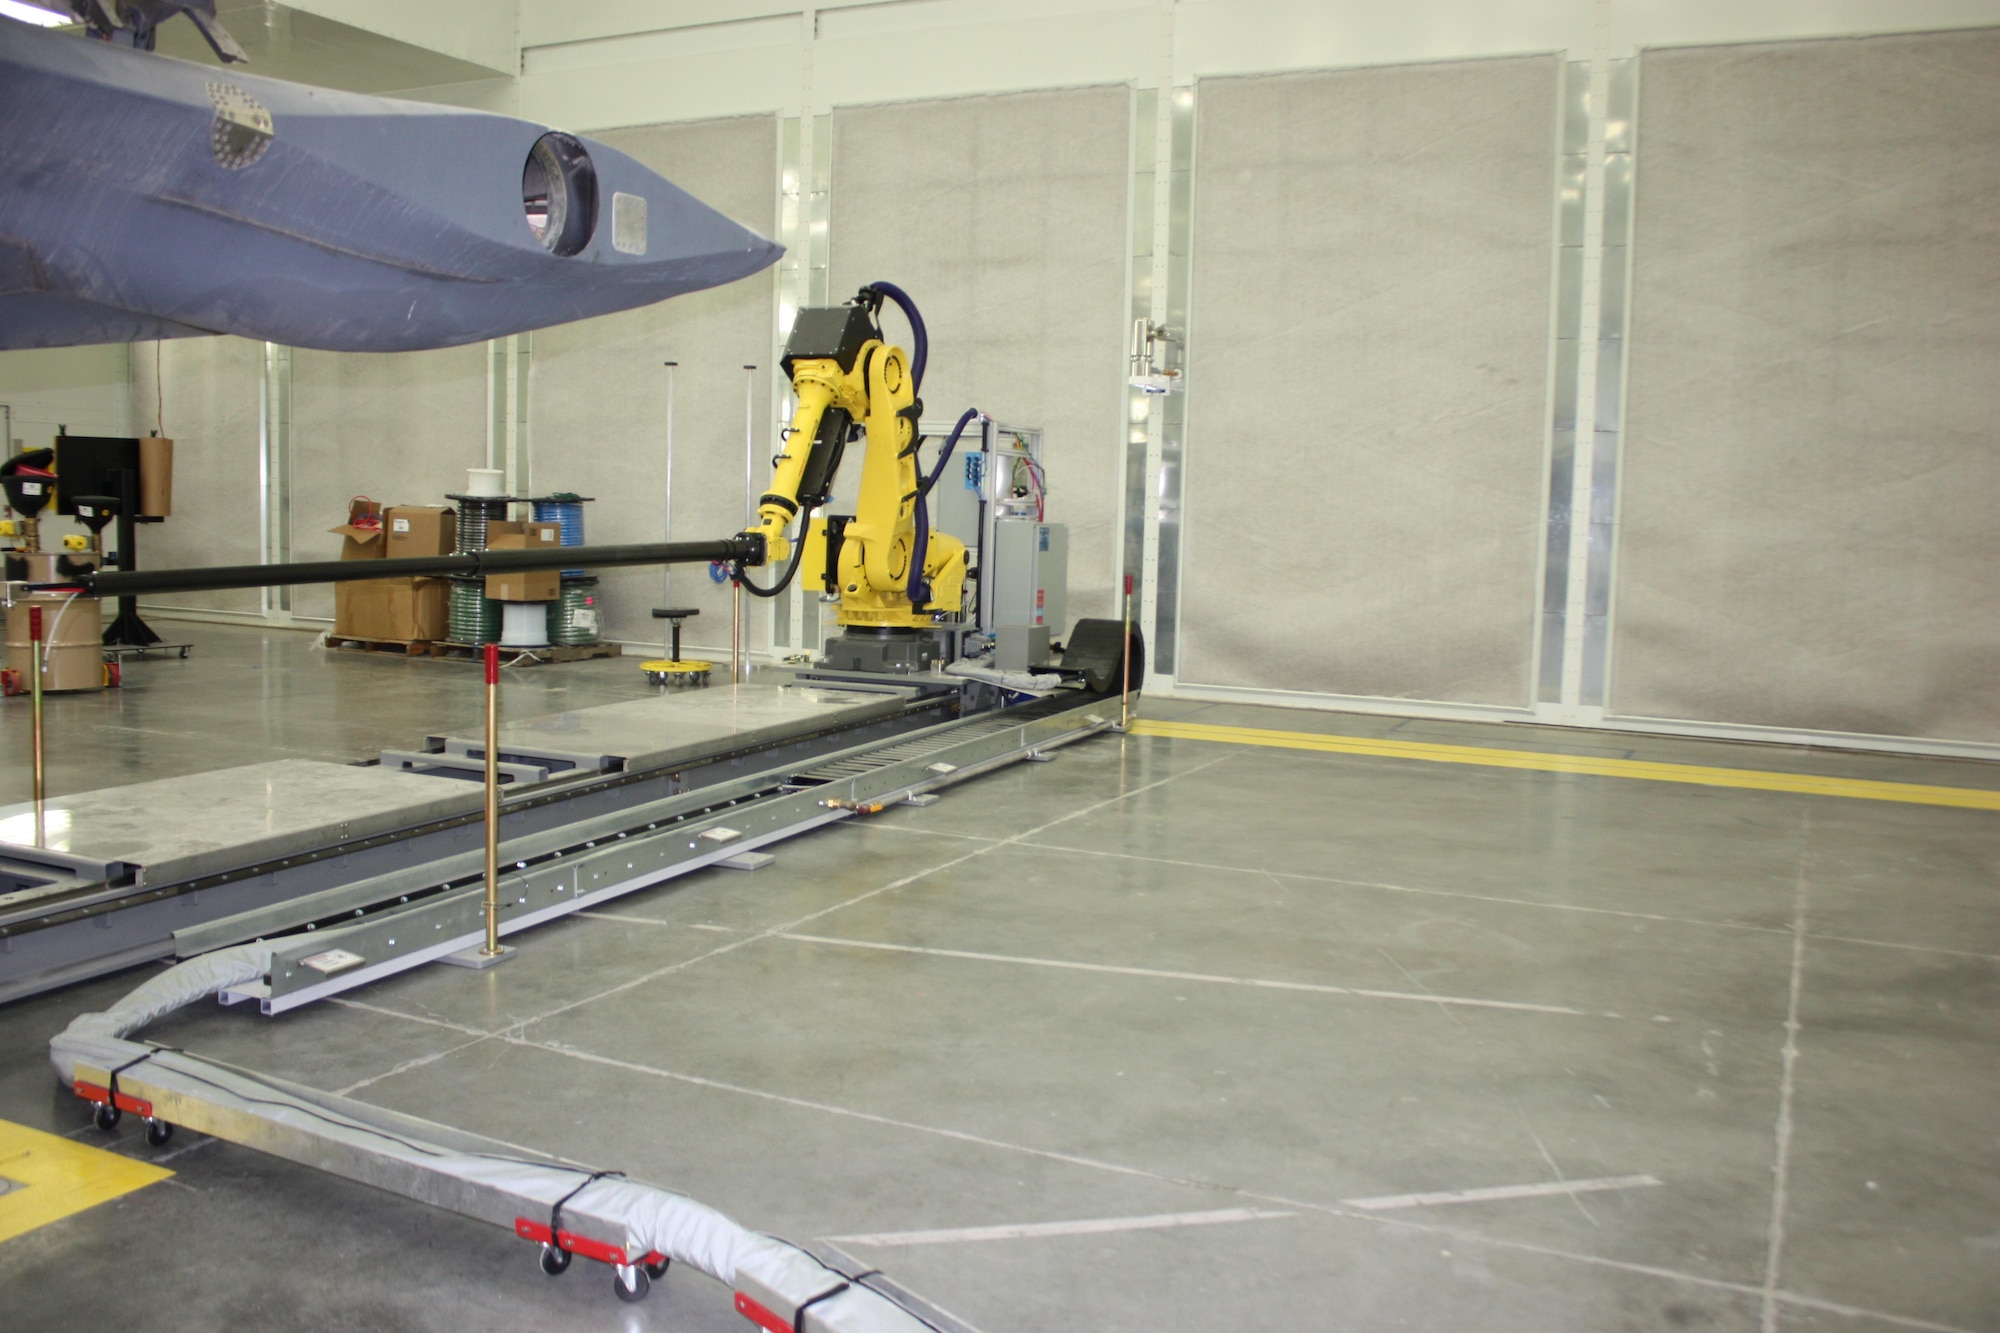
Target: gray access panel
x=1029 y=570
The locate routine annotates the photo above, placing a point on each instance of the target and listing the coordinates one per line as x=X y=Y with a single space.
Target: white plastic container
x=524 y=624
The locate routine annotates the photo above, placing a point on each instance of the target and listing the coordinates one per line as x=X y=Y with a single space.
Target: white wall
x=208 y=394
x=633 y=62
x=687 y=68
x=1005 y=219
x=599 y=394
x=82 y=388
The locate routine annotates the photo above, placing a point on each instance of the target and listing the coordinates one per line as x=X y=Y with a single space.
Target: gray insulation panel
x=1366 y=430
x=1812 y=466
x=1005 y=219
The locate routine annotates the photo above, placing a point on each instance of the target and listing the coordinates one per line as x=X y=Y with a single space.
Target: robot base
x=894 y=652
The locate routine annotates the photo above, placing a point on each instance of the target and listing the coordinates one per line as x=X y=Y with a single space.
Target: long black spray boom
x=747 y=548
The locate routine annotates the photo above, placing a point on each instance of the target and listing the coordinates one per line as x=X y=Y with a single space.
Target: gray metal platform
x=121 y=871
x=687 y=725
x=179 y=828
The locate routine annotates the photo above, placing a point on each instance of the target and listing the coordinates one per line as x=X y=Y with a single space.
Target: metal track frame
x=390 y=924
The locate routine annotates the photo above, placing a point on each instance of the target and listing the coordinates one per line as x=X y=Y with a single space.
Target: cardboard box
x=416 y=530
x=530 y=585
x=392 y=610
x=361 y=536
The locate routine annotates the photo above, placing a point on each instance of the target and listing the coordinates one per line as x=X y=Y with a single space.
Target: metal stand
x=35 y=666
x=494 y=952
x=1125 y=687
x=126 y=629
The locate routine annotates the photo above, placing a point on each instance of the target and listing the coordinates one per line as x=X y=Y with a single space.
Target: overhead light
x=24 y=12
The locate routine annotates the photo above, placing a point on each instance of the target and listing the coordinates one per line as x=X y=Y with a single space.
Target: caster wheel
x=631 y=1284
x=158 y=1132
x=658 y=1270
x=107 y=1116
x=555 y=1262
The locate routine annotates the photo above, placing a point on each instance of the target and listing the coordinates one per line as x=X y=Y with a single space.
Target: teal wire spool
x=472 y=615
x=575 y=616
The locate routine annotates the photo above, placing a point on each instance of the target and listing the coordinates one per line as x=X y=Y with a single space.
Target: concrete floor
x=1154 y=977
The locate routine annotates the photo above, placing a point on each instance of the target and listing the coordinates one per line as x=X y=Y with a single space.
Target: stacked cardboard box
x=527 y=585
x=395 y=610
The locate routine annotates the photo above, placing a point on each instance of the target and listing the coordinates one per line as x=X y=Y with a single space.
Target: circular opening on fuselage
x=559 y=194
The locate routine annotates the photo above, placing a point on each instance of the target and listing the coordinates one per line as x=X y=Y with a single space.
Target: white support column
x=274 y=475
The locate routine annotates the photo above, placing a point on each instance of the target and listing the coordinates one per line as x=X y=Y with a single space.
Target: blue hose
x=919 y=589
x=921 y=351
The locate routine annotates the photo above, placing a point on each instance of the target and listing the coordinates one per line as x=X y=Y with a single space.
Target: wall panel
x=1811 y=508
x=1005 y=219
x=207 y=395
x=1367 y=374
x=398 y=427
x=599 y=391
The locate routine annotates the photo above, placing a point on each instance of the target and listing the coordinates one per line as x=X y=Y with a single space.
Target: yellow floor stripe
x=1811 y=784
x=55 y=1178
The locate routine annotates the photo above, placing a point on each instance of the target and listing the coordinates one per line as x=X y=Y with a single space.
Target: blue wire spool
x=566 y=511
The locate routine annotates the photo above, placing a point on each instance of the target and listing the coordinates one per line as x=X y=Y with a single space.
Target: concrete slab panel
x=1895 y=1173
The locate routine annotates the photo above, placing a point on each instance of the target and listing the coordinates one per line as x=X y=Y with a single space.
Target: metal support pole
x=1125 y=699
x=35 y=663
x=739 y=634
x=667 y=534
x=492 y=800
x=737 y=672
x=749 y=445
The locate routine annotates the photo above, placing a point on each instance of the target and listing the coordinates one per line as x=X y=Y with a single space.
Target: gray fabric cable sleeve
x=654 y=1220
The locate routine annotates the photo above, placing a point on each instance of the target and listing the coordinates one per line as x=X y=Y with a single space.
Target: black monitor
x=90 y=465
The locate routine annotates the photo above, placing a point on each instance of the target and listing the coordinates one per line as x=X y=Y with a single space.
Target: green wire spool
x=574 y=616
x=474 y=617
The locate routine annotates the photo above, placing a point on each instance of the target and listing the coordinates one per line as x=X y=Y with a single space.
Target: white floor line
x=1774 y=1250
x=847 y=1113
x=1815 y=936
x=1541 y=1190
x=1386 y=887
x=1256 y=983
x=348 y=1002
x=858 y=898
x=911 y=828
x=651 y=921
x=406 y=1066
x=1333 y=1210
x=1664 y=919
x=1086 y=1227
x=1465 y=1237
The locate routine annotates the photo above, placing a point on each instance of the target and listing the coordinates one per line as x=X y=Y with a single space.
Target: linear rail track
x=91 y=927
x=375 y=928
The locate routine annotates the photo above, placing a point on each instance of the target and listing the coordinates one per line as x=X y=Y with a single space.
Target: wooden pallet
x=561 y=652
x=402 y=647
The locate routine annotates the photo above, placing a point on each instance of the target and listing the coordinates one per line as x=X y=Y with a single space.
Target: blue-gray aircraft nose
x=145 y=197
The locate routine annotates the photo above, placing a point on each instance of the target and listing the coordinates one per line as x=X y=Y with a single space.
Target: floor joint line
x=1774 y=1250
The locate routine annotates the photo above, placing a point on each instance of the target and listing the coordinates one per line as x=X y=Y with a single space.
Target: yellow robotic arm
x=845 y=376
